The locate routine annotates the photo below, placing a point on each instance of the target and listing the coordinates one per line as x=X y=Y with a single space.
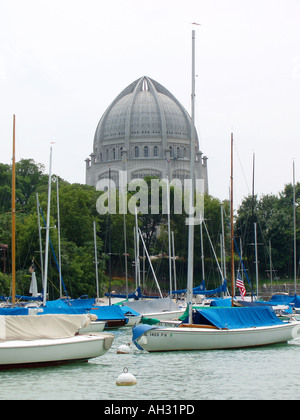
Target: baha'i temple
x=144 y=131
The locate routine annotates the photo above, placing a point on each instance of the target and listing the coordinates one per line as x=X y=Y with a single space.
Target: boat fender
x=126 y=379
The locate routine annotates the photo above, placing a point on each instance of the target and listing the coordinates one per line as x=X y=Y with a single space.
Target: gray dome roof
x=143 y=110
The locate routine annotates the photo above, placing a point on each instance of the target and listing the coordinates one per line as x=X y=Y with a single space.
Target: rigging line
x=237 y=153
x=49 y=280
x=199 y=131
x=238 y=251
x=56 y=263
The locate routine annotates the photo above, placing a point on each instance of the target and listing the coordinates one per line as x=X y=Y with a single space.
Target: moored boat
x=219 y=328
x=39 y=340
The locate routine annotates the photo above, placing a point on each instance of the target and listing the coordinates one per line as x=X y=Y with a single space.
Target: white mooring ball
x=123 y=349
x=126 y=379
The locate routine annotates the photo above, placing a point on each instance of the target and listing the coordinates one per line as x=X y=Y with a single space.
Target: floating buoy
x=123 y=349
x=126 y=379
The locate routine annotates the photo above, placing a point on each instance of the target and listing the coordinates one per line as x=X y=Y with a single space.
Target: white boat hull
x=165 y=315
x=133 y=320
x=191 y=338
x=22 y=353
x=94 y=327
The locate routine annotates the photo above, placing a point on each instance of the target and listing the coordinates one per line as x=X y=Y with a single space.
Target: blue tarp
x=80 y=303
x=201 y=287
x=283 y=299
x=296 y=302
x=14 y=311
x=125 y=309
x=60 y=307
x=135 y=295
x=105 y=313
x=200 y=290
x=138 y=331
x=221 y=302
x=26 y=298
x=233 y=318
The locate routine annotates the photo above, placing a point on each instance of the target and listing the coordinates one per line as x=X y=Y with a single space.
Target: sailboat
x=32 y=339
x=160 y=308
x=141 y=306
x=215 y=328
x=102 y=317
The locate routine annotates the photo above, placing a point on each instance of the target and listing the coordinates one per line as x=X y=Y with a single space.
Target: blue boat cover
x=135 y=295
x=106 y=312
x=283 y=299
x=103 y=313
x=200 y=290
x=80 y=303
x=138 y=331
x=14 y=311
x=126 y=310
x=296 y=302
x=221 y=302
x=236 y=317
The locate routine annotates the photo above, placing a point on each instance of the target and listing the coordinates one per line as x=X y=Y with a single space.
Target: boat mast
x=58 y=233
x=256 y=258
x=231 y=223
x=109 y=241
x=13 y=213
x=169 y=237
x=40 y=236
x=137 y=254
x=174 y=261
x=223 y=244
x=191 y=224
x=96 y=261
x=294 y=216
x=47 y=233
x=271 y=267
x=202 y=252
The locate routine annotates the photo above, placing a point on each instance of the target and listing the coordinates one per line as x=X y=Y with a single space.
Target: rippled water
x=271 y=372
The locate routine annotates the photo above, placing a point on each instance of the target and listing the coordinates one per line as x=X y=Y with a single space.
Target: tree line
x=77 y=209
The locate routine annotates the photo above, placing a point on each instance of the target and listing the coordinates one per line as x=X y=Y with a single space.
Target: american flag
x=240 y=285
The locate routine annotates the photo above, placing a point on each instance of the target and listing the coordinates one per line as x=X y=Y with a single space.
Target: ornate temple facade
x=145 y=131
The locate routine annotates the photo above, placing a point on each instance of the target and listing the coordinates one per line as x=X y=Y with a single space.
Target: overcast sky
x=62 y=62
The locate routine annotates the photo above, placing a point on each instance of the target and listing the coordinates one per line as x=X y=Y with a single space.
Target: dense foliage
x=77 y=209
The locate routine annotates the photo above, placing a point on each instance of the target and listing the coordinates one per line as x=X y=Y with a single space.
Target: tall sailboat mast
x=294 y=219
x=13 y=213
x=192 y=184
x=47 y=232
x=231 y=223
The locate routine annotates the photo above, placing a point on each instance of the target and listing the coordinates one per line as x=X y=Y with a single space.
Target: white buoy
x=123 y=349
x=126 y=379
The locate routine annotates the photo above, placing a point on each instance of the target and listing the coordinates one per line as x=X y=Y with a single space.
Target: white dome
x=144 y=110
x=145 y=131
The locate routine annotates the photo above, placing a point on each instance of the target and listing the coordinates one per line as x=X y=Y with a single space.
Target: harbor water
x=264 y=373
